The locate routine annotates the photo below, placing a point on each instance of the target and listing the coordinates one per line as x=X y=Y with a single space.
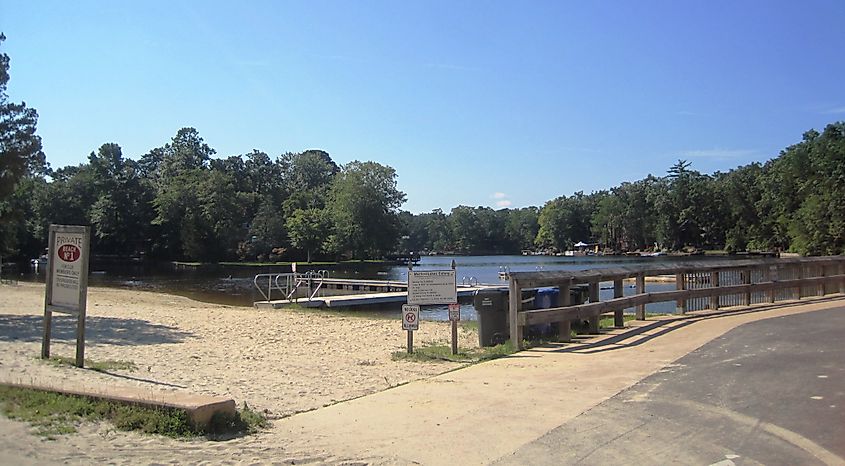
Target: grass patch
x=435 y=353
x=53 y=414
x=99 y=366
x=609 y=322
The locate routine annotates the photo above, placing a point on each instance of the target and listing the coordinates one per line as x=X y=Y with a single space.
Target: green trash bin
x=491 y=307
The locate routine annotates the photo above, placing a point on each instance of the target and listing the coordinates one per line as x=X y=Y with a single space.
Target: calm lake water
x=233 y=285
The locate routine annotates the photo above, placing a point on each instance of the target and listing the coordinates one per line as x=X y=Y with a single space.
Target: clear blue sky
x=472 y=102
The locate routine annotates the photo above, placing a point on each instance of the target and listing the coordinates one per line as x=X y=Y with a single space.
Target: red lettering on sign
x=69 y=253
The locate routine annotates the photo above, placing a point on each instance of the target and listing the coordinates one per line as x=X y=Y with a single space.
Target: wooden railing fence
x=699 y=285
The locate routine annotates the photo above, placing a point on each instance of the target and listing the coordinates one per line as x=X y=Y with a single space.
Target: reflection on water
x=233 y=285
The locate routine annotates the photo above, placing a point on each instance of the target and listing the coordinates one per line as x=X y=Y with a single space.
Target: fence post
x=565 y=327
x=594 y=298
x=799 y=271
x=680 y=284
x=841 y=272
x=618 y=292
x=714 y=283
x=515 y=306
x=746 y=280
x=823 y=273
x=767 y=276
x=641 y=290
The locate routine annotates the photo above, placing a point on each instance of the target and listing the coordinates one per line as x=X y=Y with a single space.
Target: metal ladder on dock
x=287 y=284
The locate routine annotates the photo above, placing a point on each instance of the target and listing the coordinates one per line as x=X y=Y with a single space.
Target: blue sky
x=493 y=103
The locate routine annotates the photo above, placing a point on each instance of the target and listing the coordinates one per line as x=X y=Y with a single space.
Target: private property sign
x=66 y=267
x=432 y=287
x=67 y=282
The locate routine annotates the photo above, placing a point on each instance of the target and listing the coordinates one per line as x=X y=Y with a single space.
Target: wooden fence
x=699 y=285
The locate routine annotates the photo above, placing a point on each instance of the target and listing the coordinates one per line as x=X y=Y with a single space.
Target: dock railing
x=699 y=285
x=287 y=284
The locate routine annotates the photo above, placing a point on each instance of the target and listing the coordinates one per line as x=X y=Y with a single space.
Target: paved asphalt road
x=769 y=392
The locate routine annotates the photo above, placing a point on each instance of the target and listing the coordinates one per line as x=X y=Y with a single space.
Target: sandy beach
x=278 y=361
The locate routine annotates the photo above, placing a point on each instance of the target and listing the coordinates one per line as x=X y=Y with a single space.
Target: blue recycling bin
x=544 y=299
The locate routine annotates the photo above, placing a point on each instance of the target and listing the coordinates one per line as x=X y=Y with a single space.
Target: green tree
x=565 y=221
x=308 y=230
x=363 y=204
x=20 y=157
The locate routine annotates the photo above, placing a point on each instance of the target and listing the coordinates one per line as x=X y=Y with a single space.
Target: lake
x=233 y=285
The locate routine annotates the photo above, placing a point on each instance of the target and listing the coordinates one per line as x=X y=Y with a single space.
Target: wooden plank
x=551 y=278
x=586 y=311
x=714 y=283
x=768 y=277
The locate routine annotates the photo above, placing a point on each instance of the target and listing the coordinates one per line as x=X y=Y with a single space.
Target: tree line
x=794 y=202
x=179 y=201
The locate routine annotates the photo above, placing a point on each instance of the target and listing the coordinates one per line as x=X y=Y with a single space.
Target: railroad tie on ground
x=199 y=408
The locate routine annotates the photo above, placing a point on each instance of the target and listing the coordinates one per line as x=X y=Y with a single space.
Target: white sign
x=455 y=312
x=432 y=287
x=68 y=265
x=410 y=317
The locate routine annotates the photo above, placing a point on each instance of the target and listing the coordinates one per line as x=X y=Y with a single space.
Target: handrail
x=743 y=282
x=292 y=282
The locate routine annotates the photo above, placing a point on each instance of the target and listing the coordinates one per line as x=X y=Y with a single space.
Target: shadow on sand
x=98 y=330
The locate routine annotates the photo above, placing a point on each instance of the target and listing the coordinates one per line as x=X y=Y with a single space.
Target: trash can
x=491 y=306
x=544 y=299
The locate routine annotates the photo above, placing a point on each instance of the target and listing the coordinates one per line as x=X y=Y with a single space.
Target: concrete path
x=768 y=392
x=490 y=411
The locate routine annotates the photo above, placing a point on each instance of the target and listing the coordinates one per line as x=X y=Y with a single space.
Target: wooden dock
x=367 y=299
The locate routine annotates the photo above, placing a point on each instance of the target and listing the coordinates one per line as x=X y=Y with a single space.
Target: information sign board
x=67 y=282
x=68 y=266
x=410 y=317
x=432 y=287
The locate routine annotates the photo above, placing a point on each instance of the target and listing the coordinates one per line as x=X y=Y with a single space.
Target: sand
x=280 y=362
x=288 y=362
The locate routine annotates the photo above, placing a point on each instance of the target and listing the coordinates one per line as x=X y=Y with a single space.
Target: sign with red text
x=67 y=282
x=68 y=266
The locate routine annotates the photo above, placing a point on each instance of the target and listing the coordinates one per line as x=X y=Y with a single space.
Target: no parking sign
x=410 y=317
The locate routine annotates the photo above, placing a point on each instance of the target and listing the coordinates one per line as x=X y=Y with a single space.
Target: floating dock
x=363 y=299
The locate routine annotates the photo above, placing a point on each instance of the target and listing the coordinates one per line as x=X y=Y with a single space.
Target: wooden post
x=746 y=280
x=768 y=276
x=841 y=272
x=410 y=332
x=641 y=290
x=565 y=327
x=680 y=284
x=714 y=283
x=514 y=307
x=618 y=317
x=454 y=322
x=822 y=273
x=799 y=268
x=594 y=298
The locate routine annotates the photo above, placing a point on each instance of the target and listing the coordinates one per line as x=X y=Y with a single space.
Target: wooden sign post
x=67 y=282
x=455 y=317
x=411 y=323
x=433 y=287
